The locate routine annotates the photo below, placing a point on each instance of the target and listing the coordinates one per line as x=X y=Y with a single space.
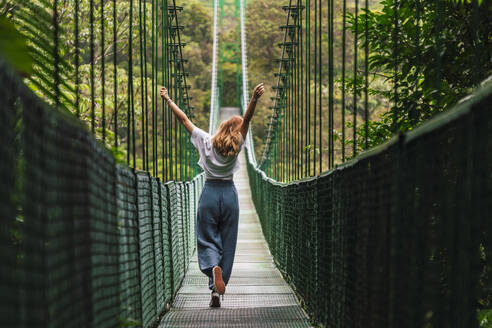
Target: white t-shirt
x=214 y=164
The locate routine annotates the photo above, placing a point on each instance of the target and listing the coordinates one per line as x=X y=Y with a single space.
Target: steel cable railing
x=399 y=236
x=85 y=241
x=88 y=242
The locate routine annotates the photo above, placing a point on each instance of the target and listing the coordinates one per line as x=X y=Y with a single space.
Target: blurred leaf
x=13 y=47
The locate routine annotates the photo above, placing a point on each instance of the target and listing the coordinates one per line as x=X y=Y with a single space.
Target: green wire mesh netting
x=85 y=242
x=399 y=237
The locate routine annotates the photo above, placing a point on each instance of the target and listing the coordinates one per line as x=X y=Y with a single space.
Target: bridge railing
x=397 y=237
x=400 y=236
x=85 y=242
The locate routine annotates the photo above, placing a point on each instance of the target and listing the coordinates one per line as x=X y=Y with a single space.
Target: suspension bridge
x=98 y=221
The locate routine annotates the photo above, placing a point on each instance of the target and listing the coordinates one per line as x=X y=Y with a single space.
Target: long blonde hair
x=227 y=140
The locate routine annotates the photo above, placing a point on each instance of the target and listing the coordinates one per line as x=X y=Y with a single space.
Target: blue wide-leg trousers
x=216 y=228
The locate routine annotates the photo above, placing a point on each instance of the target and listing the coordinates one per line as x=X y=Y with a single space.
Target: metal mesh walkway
x=256 y=296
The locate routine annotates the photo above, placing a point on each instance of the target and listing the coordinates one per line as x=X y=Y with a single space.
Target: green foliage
x=119 y=154
x=35 y=50
x=311 y=149
x=442 y=53
x=129 y=322
x=485 y=318
x=13 y=47
x=479 y=2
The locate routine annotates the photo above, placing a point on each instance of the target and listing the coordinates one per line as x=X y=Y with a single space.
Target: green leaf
x=13 y=47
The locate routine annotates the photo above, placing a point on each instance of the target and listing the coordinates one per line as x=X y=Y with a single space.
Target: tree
x=436 y=54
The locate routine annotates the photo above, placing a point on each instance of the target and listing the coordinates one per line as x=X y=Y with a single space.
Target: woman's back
x=215 y=165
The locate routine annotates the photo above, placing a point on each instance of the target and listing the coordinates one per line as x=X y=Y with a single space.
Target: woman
x=218 y=208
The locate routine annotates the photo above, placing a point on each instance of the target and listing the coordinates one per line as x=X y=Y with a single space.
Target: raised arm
x=257 y=92
x=180 y=115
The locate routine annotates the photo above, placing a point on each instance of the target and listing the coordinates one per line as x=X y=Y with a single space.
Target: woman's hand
x=258 y=91
x=164 y=94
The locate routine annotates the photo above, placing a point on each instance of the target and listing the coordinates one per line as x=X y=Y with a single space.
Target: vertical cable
x=292 y=86
x=145 y=91
x=93 y=103
x=179 y=144
x=395 y=68
x=77 y=60
x=158 y=60
x=115 y=75
x=103 y=76
x=356 y=37
x=320 y=74
x=414 y=114
x=171 y=94
x=130 y=77
x=176 y=96
x=331 y=86
x=308 y=84
x=176 y=124
x=289 y=116
x=165 y=81
x=284 y=139
x=344 y=53
x=155 y=129
x=366 y=76
x=291 y=106
x=331 y=151
x=170 y=88
x=476 y=41
x=316 y=72
x=56 y=55
x=180 y=135
x=142 y=83
x=298 y=93
x=130 y=80
x=277 y=171
x=438 y=53
x=153 y=107
x=302 y=109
